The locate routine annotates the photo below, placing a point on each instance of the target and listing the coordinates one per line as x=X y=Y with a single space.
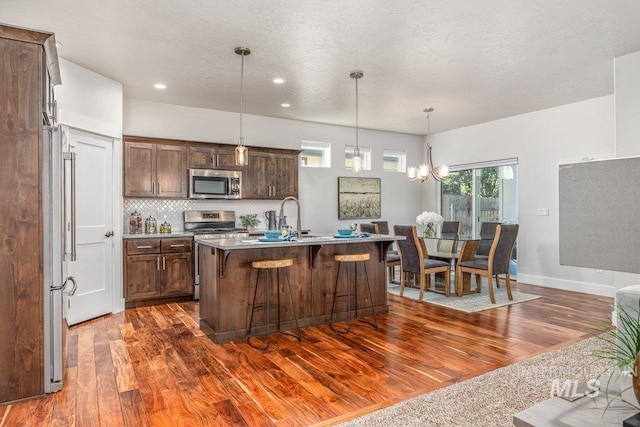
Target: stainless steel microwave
x=215 y=184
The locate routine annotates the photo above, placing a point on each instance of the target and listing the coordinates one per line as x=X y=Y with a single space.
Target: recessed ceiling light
x=285 y=105
x=160 y=86
x=278 y=80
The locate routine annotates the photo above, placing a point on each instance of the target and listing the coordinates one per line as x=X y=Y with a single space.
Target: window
x=481 y=192
x=365 y=153
x=315 y=154
x=394 y=161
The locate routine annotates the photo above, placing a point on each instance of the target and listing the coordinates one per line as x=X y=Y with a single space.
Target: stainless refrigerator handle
x=72 y=157
x=64 y=285
x=73 y=209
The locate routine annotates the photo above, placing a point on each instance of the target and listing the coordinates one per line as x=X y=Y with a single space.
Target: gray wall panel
x=599 y=212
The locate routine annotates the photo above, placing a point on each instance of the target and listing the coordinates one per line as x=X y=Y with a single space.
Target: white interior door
x=93 y=267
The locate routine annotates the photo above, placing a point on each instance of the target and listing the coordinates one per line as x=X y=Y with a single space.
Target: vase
x=429 y=231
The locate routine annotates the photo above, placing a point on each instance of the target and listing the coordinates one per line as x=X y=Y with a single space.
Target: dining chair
x=487 y=232
x=369 y=228
x=447 y=248
x=383 y=226
x=497 y=262
x=393 y=259
x=449 y=228
x=414 y=258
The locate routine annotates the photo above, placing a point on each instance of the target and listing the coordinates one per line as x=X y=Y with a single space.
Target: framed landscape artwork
x=358 y=198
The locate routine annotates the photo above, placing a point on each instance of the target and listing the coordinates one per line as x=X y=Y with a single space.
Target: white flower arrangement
x=429 y=217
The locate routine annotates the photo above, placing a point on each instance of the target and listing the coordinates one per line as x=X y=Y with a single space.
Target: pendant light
x=422 y=172
x=242 y=158
x=357 y=159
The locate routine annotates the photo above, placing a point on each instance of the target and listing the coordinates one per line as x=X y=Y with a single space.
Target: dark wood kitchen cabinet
x=157 y=268
x=217 y=157
x=270 y=174
x=156 y=167
x=154 y=170
x=28 y=70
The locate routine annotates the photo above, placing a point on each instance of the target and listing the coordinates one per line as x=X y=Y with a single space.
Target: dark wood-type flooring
x=153 y=366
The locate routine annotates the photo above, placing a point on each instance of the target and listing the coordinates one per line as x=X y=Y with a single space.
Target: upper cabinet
x=212 y=158
x=156 y=167
x=154 y=170
x=270 y=174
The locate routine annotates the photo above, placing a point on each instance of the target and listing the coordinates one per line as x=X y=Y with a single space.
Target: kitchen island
x=227 y=281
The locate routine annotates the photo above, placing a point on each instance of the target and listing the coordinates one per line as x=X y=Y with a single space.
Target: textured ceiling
x=473 y=61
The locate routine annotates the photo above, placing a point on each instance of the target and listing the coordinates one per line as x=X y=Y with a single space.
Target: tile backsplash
x=171 y=210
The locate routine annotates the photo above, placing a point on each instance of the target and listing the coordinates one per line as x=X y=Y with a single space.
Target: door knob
x=108 y=234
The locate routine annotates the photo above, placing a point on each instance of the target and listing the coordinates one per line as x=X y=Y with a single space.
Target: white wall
x=89 y=101
x=401 y=200
x=93 y=103
x=540 y=140
x=627 y=106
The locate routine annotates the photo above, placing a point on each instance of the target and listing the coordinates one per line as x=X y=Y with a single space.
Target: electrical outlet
x=543 y=212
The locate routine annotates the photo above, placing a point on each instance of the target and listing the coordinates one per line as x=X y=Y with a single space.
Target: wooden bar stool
x=349 y=259
x=269 y=265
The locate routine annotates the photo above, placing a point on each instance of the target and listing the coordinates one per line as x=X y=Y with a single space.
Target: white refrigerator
x=58 y=207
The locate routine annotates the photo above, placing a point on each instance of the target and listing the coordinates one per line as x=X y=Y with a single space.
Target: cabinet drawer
x=142 y=246
x=177 y=245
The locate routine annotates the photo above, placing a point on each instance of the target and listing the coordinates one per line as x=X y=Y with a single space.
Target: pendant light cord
x=357 y=113
x=241 y=94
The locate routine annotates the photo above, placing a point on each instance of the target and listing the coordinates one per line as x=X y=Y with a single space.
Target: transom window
x=365 y=153
x=315 y=154
x=394 y=161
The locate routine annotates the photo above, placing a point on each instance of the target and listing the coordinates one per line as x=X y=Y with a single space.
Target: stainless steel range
x=210 y=225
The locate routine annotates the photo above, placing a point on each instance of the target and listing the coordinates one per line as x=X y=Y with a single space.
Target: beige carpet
x=467 y=303
x=494 y=398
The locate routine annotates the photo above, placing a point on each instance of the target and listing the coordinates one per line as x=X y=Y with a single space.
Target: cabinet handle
x=177 y=246
x=158 y=193
x=158 y=263
x=217 y=160
x=143 y=247
x=163 y=263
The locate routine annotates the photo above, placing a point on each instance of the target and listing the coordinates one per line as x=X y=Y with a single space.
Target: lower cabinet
x=158 y=268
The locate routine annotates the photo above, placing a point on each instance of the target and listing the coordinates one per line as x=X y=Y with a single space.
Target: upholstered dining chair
x=487 y=232
x=497 y=262
x=393 y=259
x=369 y=228
x=449 y=228
x=446 y=248
x=383 y=226
x=415 y=259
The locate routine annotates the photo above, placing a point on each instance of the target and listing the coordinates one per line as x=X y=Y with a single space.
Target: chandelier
x=422 y=172
x=242 y=158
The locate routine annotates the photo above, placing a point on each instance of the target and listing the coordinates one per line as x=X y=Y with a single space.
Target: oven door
x=214 y=184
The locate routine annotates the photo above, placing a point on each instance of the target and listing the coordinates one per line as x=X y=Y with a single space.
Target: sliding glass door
x=482 y=192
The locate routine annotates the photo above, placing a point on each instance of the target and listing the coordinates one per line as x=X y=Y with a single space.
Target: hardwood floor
x=152 y=366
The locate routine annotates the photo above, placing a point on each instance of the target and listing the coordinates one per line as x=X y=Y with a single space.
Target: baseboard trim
x=568 y=285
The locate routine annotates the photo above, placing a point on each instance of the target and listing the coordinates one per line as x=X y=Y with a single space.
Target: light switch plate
x=543 y=211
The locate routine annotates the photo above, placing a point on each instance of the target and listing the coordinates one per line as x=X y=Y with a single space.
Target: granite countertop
x=157 y=235
x=250 y=243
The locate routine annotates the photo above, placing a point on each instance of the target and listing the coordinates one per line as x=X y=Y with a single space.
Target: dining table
x=463 y=248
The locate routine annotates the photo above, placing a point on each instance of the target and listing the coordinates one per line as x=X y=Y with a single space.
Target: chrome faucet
x=281 y=217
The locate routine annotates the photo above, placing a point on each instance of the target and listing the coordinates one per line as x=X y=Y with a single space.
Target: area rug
x=468 y=303
x=494 y=398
